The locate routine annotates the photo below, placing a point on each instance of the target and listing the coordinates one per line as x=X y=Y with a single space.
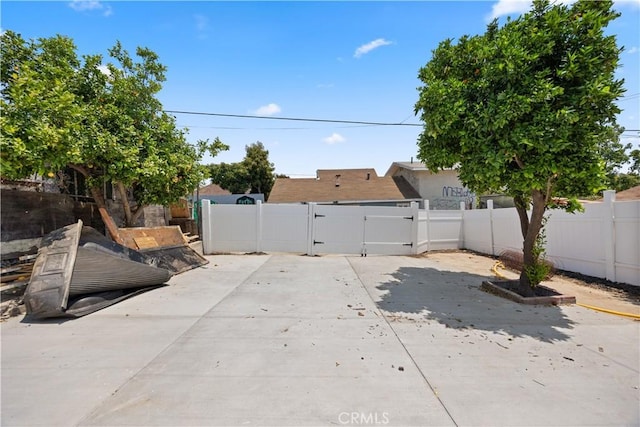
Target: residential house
x=345 y=187
x=443 y=190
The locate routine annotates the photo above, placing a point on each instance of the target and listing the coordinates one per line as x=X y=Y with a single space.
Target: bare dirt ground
x=588 y=290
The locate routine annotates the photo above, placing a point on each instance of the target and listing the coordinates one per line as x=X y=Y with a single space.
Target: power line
x=297 y=119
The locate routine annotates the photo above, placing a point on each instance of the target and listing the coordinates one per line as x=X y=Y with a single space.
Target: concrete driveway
x=294 y=340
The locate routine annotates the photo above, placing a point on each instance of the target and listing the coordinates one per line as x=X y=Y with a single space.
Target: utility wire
x=298 y=119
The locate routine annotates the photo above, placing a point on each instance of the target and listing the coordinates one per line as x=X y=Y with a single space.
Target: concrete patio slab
x=496 y=362
x=293 y=340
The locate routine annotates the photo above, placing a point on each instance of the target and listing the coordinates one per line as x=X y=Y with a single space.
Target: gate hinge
x=318 y=216
x=315 y=242
x=408 y=244
x=409 y=217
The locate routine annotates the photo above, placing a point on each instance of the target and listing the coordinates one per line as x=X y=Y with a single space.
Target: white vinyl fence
x=604 y=241
x=310 y=229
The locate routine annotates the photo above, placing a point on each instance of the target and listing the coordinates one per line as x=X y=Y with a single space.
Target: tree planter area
x=543 y=295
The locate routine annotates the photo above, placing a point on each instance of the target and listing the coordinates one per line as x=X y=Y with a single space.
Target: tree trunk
x=125 y=204
x=96 y=193
x=131 y=216
x=111 y=226
x=530 y=229
x=137 y=214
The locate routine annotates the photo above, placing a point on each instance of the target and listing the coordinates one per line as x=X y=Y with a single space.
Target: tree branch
x=518 y=161
x=80 y=169
x=521 y=208
x=125 y=203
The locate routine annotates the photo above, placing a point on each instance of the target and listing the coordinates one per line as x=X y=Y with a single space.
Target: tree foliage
x=523 y=109
x=255 y=173
x=230 y=176
x=635 y=161
x=103 y=120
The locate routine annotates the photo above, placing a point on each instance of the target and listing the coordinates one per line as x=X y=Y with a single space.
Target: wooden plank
x=145 y=242
x=7 y=270
x=11 y=277
x=164 y=236
x=14 y=285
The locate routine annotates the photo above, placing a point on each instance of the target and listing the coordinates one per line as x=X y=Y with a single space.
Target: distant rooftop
x=213 y=190
x=342 y=185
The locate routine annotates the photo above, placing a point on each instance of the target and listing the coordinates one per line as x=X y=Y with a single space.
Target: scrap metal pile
x=78 y=271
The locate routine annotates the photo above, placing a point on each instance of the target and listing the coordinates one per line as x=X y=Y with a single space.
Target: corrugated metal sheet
x=76 y=261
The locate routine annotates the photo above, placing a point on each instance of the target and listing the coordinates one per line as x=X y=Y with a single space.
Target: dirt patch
x=625 y=291
x=587 y=289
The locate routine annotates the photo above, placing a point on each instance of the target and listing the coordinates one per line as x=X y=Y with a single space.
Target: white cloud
x=508 y=7
x=89 y=5
x=202 y=26
x=518 y=7
x=324 y=85
x=105 y=70
x=632 y=50
x=334 y=139
x=366 y=48
x=202 y=23
x=268 y=110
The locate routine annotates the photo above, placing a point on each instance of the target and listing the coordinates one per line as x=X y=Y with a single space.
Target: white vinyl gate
x=314 y=229
x=363 y=230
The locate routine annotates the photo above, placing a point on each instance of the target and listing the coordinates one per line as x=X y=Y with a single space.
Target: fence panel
x=284 y=228
x=506 y=231
x=627 y=241
x=337 y=229
x=445 y=229
x=477 y=230
x=575 y=241
x=604 y=241
x=229 y=228
x=388 y=231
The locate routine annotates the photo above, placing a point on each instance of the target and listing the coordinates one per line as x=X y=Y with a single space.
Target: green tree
x=255 y=173
x=635 y=161
x=103 y=121
x=230 y=176
x=624 y=181
x=614 y=154
x=260 y=169
x=523 y=109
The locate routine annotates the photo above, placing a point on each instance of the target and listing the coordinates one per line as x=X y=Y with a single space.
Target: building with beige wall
x=443 y=190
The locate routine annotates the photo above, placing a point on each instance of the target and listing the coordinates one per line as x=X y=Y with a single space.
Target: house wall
x=443 y=189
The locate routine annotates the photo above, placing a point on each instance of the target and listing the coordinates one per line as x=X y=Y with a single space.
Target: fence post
x=206 y=227
x=490 y=208
x=426 y=207
x=310 y=222
x=258 y=226
x=461 y=242
x=415 y=212
x=609 y=234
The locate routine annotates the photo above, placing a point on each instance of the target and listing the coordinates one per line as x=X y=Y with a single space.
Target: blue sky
x=354 y=61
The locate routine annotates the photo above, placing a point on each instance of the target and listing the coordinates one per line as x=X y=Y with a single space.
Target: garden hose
x=605 y=310
x=499 y=264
